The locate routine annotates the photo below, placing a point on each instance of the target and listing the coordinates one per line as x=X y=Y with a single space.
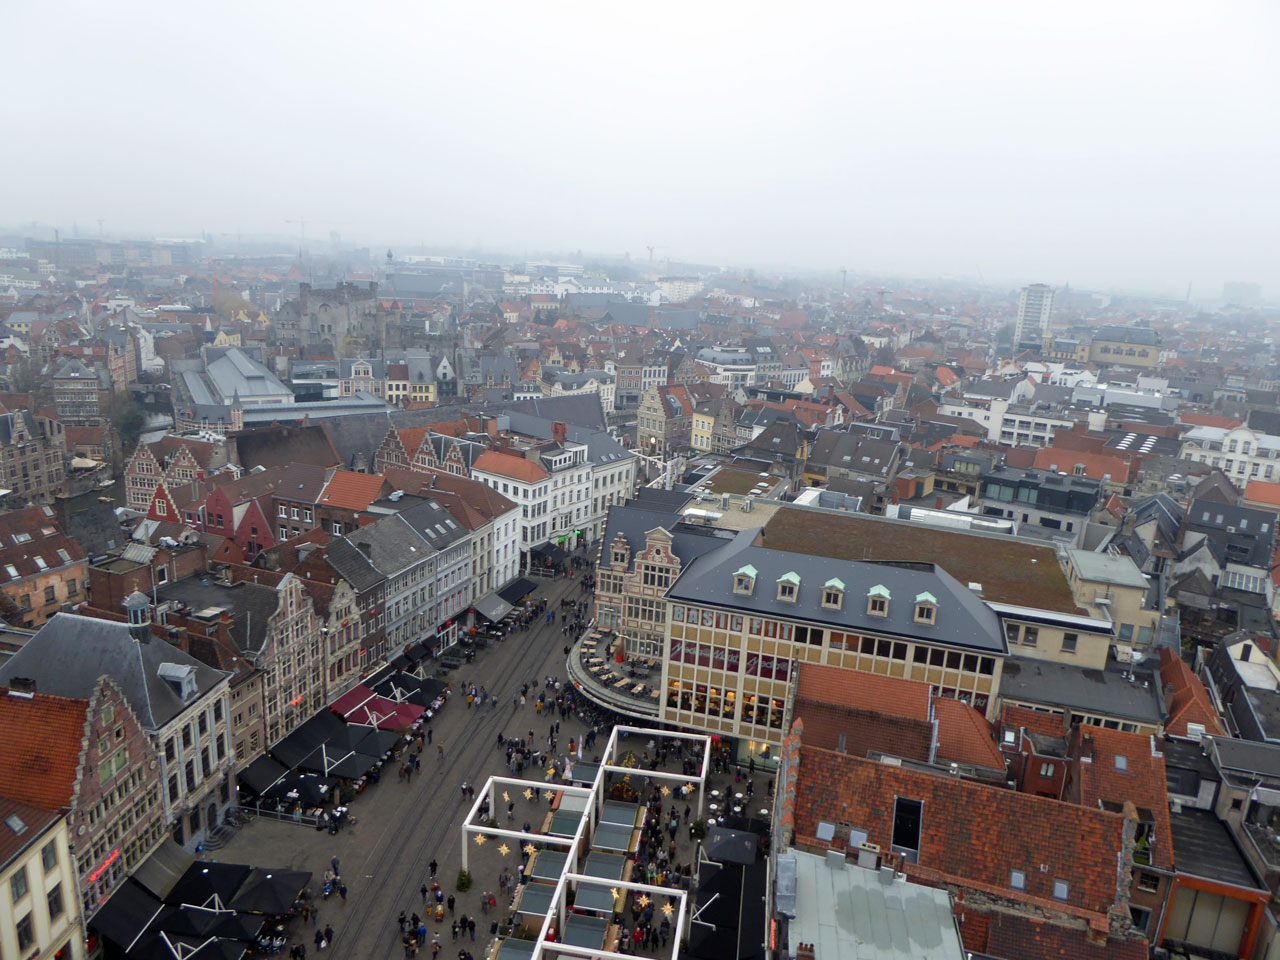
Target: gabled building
x=89 y=759
x=180 y=703
x=41 y=568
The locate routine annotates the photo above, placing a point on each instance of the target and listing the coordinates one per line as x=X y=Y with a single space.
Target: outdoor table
x=716 y=794
x=737 y=796
x=638 y=688
x=713 y=807
x=622 y=683
x=737 y=811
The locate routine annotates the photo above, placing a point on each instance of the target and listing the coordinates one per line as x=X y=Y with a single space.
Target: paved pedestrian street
x=384 y=858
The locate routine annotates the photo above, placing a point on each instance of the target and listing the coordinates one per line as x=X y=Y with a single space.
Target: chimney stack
x=559 y=432
x=23 y=687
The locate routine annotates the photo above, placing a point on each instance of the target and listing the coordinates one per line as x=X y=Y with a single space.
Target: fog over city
x=1129 y=144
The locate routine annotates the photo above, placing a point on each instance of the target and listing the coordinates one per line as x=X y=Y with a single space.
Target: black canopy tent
x=209 y=884
x=309 y=788
x=259 y=776
x=300 y=744
x=126 y=914
x=172 y=946
x=188 y=921
x=515 y=591
x=343 y=764
x=270 y=892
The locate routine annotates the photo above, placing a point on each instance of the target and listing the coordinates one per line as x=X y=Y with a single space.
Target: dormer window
x=789 y=586
x=878 y=600
x=744 y=580
x=926 y=608
x=833 y=594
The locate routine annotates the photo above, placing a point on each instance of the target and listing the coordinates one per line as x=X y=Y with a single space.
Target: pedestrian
x=439 y=751
x=428 y=734
x=319 y=939
x=451 y=904
x=435 y=947
x=342 y=892
x=454 y=929
x=422 y=933
x=333 y=862
x=423 y=891
x=328 y=930
x=433 y=866
x=471 y=927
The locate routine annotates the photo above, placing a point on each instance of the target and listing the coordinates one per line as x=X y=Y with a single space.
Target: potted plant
x=464 y=881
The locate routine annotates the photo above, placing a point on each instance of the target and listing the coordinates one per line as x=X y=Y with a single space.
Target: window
x=1069 y=641
x=1060 y=890
x=1030 y=636
x=1149 y=882
x=1046 y=769
x=832 y=598
x=55 y=902
x=1122 y=763
x=877 y=606
x=926 y=613
x=49 y=856
x=26 y=934
x=1018 y=879
x=787 y=591
x=18 y=885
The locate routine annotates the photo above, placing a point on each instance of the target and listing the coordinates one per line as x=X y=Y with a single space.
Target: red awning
x=356 y=697
x=385 y=714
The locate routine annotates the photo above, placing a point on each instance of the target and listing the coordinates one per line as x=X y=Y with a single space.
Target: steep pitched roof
x=1188 y=702
x=351 y=491
x=510 y=466
x=70 y=652
x=42 y=737
x=964 y=735
x=1012 y=937
x=971 y=835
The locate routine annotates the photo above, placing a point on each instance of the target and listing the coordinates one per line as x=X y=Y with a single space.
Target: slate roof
x=353 y=566
x=634 y=519
x=282 y=444
x=69 y=653
x=962 y=619
x=250 y=605
x=42 y=737
x=1203 y=847
x=971 y=834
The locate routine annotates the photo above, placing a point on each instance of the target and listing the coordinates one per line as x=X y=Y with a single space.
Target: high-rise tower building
x=1035 y=308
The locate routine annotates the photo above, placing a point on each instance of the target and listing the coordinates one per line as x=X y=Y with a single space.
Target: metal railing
x=251 y=811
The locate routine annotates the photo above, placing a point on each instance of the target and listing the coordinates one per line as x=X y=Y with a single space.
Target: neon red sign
x=115 y=855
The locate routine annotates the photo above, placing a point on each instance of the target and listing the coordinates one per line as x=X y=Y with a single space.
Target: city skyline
x=997 y=143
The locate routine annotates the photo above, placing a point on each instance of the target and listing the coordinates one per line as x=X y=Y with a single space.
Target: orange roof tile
x=1034 y=721
x=42 y=738
x=1261 y=491
x=510 y=466
x=971 y=835
x=1114 y=767
x=1207 y=420
x=863 y=691
x=1189 y=702
x=964 y=735
x=351 y=491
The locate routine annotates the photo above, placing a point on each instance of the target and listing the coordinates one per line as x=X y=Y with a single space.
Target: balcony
x=630 y=687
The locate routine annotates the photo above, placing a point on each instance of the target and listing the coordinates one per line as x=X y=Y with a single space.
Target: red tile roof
x=1262 y=492
x=964 y=735
x=1096 y=465
x=351 y=491
x=1025 y=938
x=36 y=819
x=510 y=466
x=971 y=835
x=1139 y=778
x=42 y=739
x=1207 y=420
x=1034 y=721
x=864 y=691
x=1189 y=701
x=30 y=535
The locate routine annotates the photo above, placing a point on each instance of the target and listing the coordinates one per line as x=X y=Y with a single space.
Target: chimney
x=23 y=687
x=559 y=432
x=938 y=503
x=805 y=951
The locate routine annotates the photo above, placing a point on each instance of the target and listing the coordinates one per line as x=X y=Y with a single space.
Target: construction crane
x=302 y=231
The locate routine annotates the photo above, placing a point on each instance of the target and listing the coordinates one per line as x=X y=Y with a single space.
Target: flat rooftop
x=737 y=482
x=1011 y=571
x=854 y=913
x=1105 y=692
x=1203 y=847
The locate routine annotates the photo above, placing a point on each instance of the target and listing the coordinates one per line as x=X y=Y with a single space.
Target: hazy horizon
x=1130 y=146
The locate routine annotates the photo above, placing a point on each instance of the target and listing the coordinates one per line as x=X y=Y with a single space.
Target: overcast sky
x=1116 y=143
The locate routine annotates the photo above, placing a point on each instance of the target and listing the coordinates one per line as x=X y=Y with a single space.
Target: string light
x=504 y=849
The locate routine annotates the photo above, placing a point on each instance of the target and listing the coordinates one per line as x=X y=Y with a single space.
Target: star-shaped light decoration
x=504 y=849
x=480 y=838
x=668 y=909
x=550 y=795
x=506 y=797
x=528 y=793
x=613 y=892
x=643 y=901
x=530 y=849
x=666 y=791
